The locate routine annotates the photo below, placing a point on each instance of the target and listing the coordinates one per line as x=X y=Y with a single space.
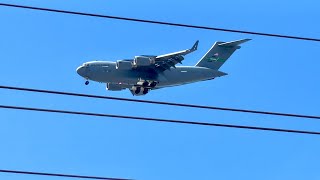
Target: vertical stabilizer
x=219 y=53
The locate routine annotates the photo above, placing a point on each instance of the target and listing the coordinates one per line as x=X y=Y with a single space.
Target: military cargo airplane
x=144 y=73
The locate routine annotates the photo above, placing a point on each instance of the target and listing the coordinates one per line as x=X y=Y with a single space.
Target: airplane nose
x=81 y=71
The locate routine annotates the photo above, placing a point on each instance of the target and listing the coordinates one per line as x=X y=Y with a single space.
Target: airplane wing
x=166 y=61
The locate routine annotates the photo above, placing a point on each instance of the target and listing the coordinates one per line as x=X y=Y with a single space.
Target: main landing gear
x=143 y=87
x=86 y=83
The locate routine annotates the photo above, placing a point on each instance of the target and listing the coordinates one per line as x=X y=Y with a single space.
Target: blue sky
x=42 y=50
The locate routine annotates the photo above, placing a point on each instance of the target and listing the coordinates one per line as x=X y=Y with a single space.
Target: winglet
x=180 y=53
x=195 y=46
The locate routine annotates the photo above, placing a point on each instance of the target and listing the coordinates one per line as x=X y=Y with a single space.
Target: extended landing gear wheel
x=137 y=91
x=153 y=84
x=86 y=83
x=145 y=91
x=145 y=84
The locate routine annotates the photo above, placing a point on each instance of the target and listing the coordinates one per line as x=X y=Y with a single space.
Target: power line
x=158 y=120
x=161 y=22
x=58 y=175
x=160 y=102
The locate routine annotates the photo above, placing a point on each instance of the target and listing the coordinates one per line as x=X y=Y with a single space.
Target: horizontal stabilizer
x=233 y=43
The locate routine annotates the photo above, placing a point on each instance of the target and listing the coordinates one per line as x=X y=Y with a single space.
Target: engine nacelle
x=138 y=91
x=124 y=65
x=114 y=87
x=143 y=61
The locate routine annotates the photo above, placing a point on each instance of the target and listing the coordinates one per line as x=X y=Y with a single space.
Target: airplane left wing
x=166 y=61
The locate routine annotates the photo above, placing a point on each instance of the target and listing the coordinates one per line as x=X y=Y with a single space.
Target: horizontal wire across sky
x=161 y=22
x=159 y=120
x=58 y=175
x=160 y=102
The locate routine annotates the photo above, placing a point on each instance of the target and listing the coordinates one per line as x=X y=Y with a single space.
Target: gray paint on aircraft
x=136 y=73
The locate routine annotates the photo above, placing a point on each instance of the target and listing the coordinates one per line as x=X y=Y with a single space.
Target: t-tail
x=219 y=53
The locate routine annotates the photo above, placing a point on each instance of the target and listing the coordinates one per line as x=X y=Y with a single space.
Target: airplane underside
x=140 y=84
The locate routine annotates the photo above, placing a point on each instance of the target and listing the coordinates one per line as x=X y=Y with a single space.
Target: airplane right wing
x=157 y=63
x=166 y=61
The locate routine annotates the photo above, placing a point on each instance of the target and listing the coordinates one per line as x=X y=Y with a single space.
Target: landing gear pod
x=139 y=91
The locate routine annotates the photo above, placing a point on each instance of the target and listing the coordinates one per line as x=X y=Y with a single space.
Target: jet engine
x=138 y=90
x=143 y=61
x=124 y=65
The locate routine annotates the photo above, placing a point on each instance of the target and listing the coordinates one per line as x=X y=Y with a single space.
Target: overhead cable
x=159 y=120
x=160 y=102
x=58 y=175
x=161 y=22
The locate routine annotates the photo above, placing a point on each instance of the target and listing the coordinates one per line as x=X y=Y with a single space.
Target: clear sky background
x=42 y=50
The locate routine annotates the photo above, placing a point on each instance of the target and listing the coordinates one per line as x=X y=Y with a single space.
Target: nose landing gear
x=86 y=83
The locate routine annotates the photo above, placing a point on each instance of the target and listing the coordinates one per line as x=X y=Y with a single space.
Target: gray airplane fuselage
x=147 y=72
x=107 y=72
